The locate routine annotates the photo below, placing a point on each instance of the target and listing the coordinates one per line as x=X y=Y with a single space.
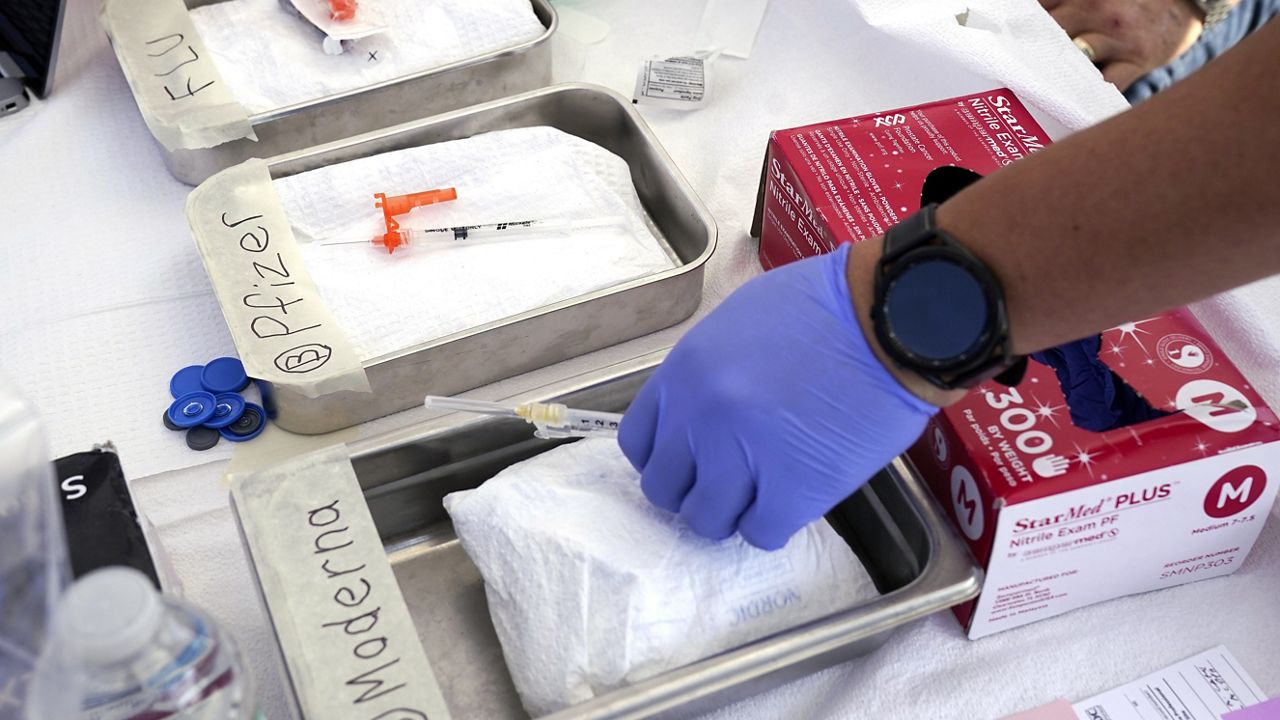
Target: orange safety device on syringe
x=401 y=204
x=342 y=9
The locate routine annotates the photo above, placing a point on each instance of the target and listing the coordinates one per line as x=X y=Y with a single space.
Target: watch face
x=937 y=311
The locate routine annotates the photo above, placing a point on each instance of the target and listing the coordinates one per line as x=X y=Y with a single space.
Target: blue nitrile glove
x=771 y=410
x=1098 y=398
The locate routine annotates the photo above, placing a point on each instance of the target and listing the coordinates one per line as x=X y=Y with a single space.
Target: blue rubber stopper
x=191 y=409
x=227 y=408
x=224 y=375
x=186 y=380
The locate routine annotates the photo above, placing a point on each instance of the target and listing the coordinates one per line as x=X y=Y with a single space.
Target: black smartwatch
x=939 y=311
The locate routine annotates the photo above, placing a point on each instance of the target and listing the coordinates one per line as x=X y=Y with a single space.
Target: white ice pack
x=389 y=303
x=271 y=57
x=592 y=588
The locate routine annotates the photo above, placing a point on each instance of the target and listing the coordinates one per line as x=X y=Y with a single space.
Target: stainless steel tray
x=547 y=335
x=497 y=74
x=892 y=524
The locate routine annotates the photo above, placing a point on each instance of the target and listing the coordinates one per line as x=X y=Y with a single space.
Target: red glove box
x=850 y=180
x=1063 y=517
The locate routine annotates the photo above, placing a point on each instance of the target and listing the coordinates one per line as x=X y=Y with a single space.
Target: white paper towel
x=929 y=670
x=592 y=588
x=272 y=58
x=1011 y=43
x=1235 y=320
x=387 y=303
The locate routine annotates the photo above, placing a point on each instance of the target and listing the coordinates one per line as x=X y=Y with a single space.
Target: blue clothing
x=1246 y=17
x=1098 y=398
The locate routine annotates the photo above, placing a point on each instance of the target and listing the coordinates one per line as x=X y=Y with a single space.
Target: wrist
x=860 y=274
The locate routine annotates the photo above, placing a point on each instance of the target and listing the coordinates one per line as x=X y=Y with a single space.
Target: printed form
x=1203 y=687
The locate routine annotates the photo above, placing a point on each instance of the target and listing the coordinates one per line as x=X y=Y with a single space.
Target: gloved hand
x=771 y=410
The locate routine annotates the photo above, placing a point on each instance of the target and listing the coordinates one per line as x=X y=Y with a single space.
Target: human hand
x=1129 y=38
x=771 y=410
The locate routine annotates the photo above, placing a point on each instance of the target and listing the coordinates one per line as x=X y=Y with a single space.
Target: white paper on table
x=1202 y=687
x=730 y=26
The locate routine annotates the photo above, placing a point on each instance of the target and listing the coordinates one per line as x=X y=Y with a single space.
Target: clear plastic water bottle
x=119 y=650
x=33 y=553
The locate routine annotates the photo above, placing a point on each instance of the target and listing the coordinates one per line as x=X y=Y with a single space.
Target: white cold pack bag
x=592 y=588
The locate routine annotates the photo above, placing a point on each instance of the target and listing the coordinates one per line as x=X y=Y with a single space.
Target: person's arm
x=779 y=403
x=1171 y=202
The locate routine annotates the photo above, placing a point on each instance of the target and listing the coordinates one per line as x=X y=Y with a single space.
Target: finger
x=1105 y=48
x=779 y=511
x=639 y=423
x=1050 y=4
x=769 y=523
x=1071 y=19
x=1122 y=73
x=722 y=491
x=669 y=473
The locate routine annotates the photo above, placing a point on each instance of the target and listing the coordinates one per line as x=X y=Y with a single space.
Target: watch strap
x=915 y=230
x=1013 y=374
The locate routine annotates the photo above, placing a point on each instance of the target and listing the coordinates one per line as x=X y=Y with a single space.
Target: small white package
x=675 y=83
x=592 y=588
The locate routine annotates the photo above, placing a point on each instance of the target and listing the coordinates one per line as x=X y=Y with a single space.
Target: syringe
x=446 y=236
x=552 y=420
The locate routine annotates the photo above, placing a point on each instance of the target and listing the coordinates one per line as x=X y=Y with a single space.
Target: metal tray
x=546 y=335
x=478 y=79
x=892 y=524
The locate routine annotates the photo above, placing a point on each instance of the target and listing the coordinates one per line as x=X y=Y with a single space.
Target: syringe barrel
x=558 y=421
x=593 y=424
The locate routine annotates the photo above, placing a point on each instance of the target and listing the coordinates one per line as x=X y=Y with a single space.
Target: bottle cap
x=202 y=437
x=227 y=408
x=191 y=409
x=109 y=615
x=249 y=426
x=168 y=424
x=186 y=380
x=224 y=375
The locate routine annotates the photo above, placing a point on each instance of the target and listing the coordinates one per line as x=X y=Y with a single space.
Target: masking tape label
x=183 y=99
x=347 y=636
x=282 y=328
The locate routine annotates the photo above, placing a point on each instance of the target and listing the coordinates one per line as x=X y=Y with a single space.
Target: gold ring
x=1086 y=48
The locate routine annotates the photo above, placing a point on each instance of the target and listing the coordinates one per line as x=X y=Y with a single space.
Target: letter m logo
x=1235 y=492
x=965 y=502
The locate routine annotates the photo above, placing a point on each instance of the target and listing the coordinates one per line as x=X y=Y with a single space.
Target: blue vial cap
x=227 y=408
x=249 y=426
x=186 y=380
x=224 y=375
x=191 y=409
